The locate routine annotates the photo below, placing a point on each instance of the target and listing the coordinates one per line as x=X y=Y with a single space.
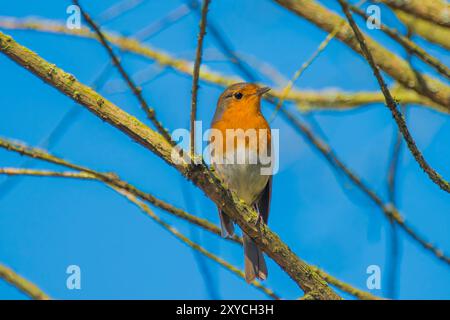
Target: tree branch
x=24 y=285
x=196 y=71
x=389 y=62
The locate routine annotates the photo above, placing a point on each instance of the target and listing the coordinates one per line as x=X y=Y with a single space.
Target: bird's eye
x=238 y=95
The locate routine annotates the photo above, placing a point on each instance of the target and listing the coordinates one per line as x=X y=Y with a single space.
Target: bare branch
x=389 y=62
x=196 y=72
x=24 y=285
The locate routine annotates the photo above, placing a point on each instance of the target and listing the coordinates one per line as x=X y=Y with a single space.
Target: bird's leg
x=260 y=217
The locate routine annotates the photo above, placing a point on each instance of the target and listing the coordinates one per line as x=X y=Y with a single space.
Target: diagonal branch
x=136 y=91
x=392 y=105
x=24 y=285
x=389 y=62
x=196 y=72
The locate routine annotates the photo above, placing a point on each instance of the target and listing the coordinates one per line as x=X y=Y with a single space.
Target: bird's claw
x=259 y=220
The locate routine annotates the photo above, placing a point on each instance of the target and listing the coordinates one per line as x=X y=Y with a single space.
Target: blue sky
x=48 y=224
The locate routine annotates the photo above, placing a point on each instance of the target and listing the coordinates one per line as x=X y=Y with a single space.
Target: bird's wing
x=263 y=202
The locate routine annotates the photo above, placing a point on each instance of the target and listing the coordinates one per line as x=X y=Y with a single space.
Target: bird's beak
x=263 y=90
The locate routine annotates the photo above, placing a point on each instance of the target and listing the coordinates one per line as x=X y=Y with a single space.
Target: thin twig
x=392 y=105
x=24 y=285
x=150 y=112
x=196 y=71
x=169 y=19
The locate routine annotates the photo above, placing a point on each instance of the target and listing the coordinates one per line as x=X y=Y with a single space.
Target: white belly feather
x=245 y=179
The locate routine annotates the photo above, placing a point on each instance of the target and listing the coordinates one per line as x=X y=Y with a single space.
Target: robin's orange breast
x=247 y=119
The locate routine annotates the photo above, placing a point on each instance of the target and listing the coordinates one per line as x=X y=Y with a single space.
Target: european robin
x=239 y=107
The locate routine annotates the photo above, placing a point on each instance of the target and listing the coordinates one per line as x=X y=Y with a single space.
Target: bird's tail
x=255 y=266
x=227 y=225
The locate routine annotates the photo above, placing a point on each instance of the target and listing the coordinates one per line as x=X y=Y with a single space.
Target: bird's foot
x=259 y=220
